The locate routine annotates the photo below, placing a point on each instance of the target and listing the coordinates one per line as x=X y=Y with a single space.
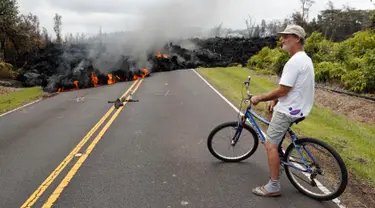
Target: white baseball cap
x=294 y=29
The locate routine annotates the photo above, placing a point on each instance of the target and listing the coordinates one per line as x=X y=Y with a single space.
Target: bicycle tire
x=232 y=124
x=339 y=160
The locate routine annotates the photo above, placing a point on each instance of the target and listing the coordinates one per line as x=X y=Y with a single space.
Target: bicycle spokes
x=321 y=173
x=232 y=141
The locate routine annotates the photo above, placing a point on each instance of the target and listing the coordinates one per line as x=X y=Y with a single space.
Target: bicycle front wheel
x=220 y=141
x=329 y=177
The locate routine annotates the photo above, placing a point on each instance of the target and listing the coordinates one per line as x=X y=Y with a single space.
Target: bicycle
x=310 y=169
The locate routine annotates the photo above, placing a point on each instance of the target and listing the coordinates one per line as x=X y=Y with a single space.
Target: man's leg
x=273 y=154
x=273 y=160
x=278 y=126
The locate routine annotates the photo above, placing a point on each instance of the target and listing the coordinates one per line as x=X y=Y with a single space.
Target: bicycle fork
x=236 y=136
x=240 y=126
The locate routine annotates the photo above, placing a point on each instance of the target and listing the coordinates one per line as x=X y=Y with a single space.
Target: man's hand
x=255 y=100
x=271 y=105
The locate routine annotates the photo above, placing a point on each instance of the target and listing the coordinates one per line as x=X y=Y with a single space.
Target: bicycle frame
x=249 y=115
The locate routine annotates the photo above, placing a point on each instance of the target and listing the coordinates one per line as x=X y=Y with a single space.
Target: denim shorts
x=278 y=126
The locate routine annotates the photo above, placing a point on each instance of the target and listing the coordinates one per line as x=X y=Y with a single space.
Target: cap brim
x=285 y=33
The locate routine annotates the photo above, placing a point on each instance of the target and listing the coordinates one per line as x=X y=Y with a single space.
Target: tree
x=100 y=36
x=28 y=32
x=263 y=27
x=45 y=35
x=297 y=18
x=339 y=24
x=71 y=38
x=66 y=40
x=305 y=7
x=57 y=27
x=256 y=31
x=82 y=38
x=216 y=31
x=274 y=27
x=250 y=26
x=8 y=16
x=371 y=22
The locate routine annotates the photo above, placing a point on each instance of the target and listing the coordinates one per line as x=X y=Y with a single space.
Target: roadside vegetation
x=349 y=63
x=19 y=97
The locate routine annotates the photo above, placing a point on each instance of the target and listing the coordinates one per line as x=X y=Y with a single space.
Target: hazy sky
x=88 y=15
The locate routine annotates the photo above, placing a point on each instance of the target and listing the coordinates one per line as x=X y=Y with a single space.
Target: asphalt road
x=153 y=155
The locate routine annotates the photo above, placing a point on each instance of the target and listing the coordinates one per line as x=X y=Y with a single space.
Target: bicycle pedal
x=321 y=172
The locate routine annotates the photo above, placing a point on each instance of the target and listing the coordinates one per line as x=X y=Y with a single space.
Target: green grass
x=353 y=140
x=18 y=98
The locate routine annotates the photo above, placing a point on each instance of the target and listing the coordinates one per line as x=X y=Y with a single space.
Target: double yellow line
x=50 y=179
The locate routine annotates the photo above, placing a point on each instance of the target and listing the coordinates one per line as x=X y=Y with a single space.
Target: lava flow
x=94 y=79
x=110 y=79
x=46 y=67
x=135 y=77
x=76 y=84
x=159 y=55
x=145 y=72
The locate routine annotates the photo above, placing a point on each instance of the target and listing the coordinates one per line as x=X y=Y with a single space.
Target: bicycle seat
x=299 y=120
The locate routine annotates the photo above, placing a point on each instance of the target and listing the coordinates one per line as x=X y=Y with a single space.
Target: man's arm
x=274 y=94
x=287 y=81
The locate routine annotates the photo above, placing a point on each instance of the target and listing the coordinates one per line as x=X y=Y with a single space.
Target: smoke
x=159 y=23
x=125 y=54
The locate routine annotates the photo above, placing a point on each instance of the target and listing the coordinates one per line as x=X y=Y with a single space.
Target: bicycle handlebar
x=247 y=83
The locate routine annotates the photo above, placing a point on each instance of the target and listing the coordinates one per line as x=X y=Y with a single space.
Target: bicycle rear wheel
x=248 y=141
x=329 y=177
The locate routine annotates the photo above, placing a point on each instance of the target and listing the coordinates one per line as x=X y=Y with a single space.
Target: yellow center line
x=57 y=192
x=48 y=181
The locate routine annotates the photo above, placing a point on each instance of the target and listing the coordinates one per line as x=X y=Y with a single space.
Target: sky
x=87 y=16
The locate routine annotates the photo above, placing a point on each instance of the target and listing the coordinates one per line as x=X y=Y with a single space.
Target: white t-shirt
x=298 y=73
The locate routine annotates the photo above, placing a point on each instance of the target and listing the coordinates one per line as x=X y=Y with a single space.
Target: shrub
x=261 y=60
x=318 y=48
x=312 y=43
x=280 y=58
x=329 y=71
x=354 y=81
x=350 y=63
x=355 y=63
x=6 y=71
x=361 y=42
x=270 y=60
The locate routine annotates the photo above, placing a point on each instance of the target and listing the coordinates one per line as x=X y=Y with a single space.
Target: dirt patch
x=355 y=109
x=10 y=83
x=6 y=90
x=358 y=194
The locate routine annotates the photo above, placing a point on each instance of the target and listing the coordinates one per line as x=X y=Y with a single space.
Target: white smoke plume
x=160 y=22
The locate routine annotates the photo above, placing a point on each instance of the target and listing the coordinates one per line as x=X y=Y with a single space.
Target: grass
x=15 y=99
x=352 y=140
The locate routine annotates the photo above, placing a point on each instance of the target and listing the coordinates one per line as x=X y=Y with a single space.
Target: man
x=293 y=99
